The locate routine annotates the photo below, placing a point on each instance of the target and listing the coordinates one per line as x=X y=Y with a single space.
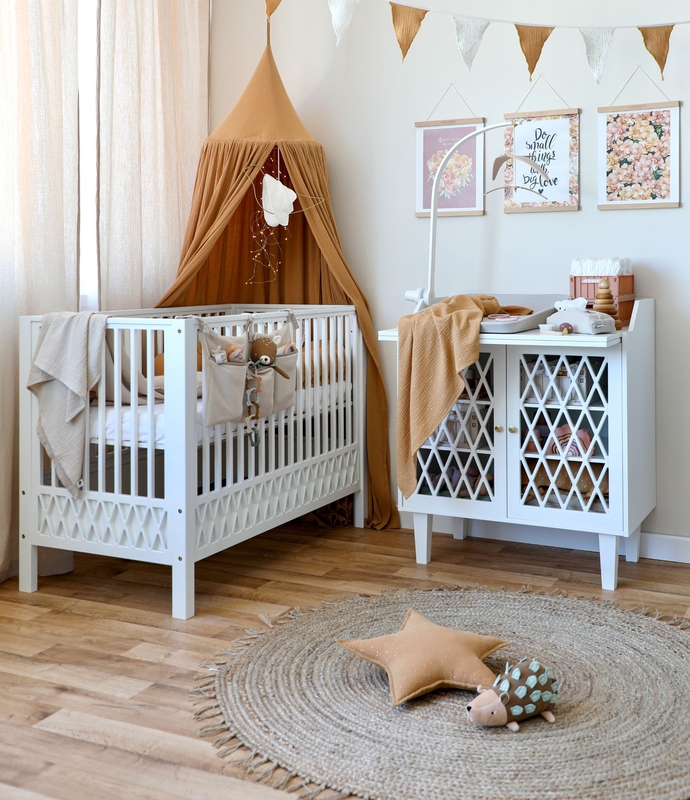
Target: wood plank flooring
x=95 y=674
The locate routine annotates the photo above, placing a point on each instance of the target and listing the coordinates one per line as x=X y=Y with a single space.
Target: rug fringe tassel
x=213 y=730
x=313 y=794
x=297 y=787
x=282 y=782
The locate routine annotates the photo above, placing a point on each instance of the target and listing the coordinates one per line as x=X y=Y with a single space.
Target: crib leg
x=358 y=510
x=183 y=589
x=28 y=566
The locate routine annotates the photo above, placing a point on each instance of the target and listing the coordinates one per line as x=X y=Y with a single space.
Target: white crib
x=162 y=488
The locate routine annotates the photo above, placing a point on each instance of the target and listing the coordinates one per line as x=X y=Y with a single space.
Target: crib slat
x=323 y=410
x=342 y=386
x=151 y=444
x=117 y=392
x=348 y=381
x=102 y=453
x=135 y=349
x=333 y=383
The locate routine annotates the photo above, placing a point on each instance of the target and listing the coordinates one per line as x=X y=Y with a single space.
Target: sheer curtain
x=38 y=211
x=153 y=119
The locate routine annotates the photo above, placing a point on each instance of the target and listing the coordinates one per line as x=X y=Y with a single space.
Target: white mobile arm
x=425 y=297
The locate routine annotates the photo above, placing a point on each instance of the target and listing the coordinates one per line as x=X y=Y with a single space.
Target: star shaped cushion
x=423 y=656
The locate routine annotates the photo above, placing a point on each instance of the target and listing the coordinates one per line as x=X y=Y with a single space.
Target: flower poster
x=639 y=156
x=551 y=139
x=461 y=186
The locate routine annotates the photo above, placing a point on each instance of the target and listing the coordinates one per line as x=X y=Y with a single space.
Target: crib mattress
x=314 y=396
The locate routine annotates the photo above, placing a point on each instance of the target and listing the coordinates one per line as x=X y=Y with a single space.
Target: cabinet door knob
x=499 y=428
x=512 y=429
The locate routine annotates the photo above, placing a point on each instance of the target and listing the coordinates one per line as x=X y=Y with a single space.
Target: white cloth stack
x=601 y=266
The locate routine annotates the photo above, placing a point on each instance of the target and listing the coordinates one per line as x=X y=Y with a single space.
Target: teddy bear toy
x=263 y=353
x=522 y=691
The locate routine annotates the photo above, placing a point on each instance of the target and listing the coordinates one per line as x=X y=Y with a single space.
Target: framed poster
x=552 y=140
x=639 y=156
x=461 y=187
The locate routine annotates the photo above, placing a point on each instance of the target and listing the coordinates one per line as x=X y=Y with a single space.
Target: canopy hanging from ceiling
x=263 y=132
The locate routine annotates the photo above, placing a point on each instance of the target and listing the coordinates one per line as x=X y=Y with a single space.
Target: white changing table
x=495 y=457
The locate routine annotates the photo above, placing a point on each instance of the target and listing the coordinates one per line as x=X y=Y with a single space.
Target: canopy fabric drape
x=216 y=263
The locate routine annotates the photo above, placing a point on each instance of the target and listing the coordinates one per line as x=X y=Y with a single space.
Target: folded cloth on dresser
x=433 y=349
x=66 y=365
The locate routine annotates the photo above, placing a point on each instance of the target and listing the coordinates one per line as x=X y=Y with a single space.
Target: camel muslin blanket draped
x=433 y=349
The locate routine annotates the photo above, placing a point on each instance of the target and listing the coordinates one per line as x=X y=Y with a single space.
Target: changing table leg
x=28 y=566
x=422 y=537
x=632 y=545
x=608 y=556
x=183 y=589
x=459 y=527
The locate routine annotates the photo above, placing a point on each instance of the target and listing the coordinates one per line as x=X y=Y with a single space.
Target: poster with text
x=460 y=186
x=551 y=140
x=638 y=157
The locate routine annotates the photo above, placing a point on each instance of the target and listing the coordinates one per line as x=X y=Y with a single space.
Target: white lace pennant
x=597 y=43
x=469 y=32
x=341 y=15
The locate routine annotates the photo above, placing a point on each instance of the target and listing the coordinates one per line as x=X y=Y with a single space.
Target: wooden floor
x=95 y=675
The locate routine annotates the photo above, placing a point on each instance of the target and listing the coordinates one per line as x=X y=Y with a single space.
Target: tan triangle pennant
x=271 y=6
x=656 y=41
x=406 y=22
x=532 y=40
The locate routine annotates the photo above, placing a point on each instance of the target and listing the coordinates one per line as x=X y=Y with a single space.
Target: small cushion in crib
x=159 y=383
x=423 y=656
x=159 y=362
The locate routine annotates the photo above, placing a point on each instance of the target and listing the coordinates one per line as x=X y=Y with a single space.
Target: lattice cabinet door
x=461 y=467
x=565 y=461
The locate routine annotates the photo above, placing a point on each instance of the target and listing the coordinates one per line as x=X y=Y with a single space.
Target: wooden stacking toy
x=605 y=304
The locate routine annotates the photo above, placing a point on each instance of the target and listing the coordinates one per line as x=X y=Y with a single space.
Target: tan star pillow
x=423 y=656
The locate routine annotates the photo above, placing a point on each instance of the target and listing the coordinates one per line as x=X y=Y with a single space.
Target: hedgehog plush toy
x=522 y=691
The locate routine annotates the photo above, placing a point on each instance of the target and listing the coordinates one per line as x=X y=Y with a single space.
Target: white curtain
x=38 y=212
x=153 y=119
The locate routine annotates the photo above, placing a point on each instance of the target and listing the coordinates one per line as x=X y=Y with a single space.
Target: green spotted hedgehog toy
x=522 y=691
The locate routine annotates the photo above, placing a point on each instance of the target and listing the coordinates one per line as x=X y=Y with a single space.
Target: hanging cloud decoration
x=341 y=14
x=277 y=201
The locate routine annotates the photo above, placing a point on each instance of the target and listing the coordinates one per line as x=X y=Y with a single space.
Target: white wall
x=361 y=102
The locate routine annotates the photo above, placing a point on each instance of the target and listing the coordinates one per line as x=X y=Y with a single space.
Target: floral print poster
x=638 y=157
x=460 y=187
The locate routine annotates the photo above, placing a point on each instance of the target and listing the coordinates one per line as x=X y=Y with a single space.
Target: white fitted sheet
x=315 y=394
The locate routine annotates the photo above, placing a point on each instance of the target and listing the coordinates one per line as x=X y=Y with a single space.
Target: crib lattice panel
x=223 y=518
x=125 y=524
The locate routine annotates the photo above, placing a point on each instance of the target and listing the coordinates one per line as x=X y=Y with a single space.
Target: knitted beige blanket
x=433 y=349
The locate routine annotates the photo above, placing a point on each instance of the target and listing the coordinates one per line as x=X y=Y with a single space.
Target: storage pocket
x=284 y=394
x=224 y=383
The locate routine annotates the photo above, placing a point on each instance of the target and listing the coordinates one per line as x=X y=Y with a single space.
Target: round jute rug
x=304 y=712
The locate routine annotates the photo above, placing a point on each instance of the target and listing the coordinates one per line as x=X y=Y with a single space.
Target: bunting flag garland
x=341 y=15
x=532 y=40
x=597 y=44
x=656 y=40
x=469 y=32
x=271 y=6
x=406 y=22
